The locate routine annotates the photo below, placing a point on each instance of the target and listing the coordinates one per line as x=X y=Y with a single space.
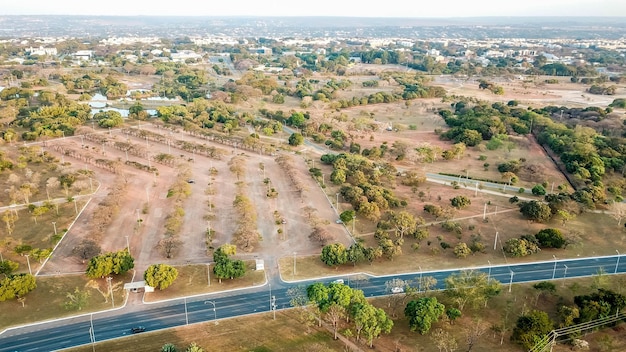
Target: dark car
x=137 y=329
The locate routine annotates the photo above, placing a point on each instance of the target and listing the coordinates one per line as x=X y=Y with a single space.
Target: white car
x=338 y=281
x=397 y=289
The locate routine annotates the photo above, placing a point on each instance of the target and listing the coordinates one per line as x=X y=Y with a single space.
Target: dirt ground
x=146 y=199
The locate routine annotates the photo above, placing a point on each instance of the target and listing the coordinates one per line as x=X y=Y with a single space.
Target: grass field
x=192 y=280
x=47 y=301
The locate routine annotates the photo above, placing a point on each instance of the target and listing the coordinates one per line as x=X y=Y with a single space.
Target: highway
x=65 y=333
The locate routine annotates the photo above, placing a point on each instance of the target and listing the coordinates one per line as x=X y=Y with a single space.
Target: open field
x=192 y=280
x=48 y=299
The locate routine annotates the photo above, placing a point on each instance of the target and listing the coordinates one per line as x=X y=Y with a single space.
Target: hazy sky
x=363 y=8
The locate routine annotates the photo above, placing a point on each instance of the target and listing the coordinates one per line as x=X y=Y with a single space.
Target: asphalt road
x=114 y=324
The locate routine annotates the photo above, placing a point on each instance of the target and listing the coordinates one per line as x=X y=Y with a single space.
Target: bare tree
x=618 y=211
x=169 y=245
x=474 y=332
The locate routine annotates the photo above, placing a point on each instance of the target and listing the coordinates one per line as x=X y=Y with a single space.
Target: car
x=283 y=221
x=338 y=281
x=338 y=221
x=191 y=181
x=397 y=289
x=137 y=329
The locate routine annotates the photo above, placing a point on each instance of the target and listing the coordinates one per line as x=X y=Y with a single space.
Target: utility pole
x=127 y=245
x=28 y=261
x=208 y=274
x=495 y=241
x=54 y=223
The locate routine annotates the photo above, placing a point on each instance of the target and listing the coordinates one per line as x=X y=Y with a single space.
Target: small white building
x=260 y=264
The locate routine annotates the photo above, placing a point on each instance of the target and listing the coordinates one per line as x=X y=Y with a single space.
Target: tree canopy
x=110 y=263
x=160 y=276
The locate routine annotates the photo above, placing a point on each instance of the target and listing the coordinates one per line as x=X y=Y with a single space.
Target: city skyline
x=452 y=8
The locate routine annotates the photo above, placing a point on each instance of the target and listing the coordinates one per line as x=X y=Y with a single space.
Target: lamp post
x=92 y=334
x=28 y=261
x=495 y=241
x=564 y=275
x=511 y=281
x=214 y=311
x=127 y=244
x=111 y=290
x=554 y=270
x=54 y=223
x=186 y=315
x=208 y=274
x=617 y=263
x=419 y=288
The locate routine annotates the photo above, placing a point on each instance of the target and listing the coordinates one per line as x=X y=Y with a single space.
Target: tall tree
x=470 y=287
x=160 y=276
x=423 y=312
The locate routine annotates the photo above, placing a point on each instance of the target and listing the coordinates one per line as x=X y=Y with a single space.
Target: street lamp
x=186 y=315
x=54 y=223
x=419 y=288
x=214 y=311
x=208 y=274
x=617 y=263
x=554 y=270
x=495 y=241
x=111 y=290
x=564 y=274
x=92 y=334
x=127 y=245
x=28 y=261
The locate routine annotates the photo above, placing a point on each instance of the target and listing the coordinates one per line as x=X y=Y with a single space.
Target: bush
x=538 y=190
x=550 y=238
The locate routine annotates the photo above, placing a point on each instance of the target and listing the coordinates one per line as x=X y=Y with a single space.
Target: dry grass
x=258 y=333
x=47 y=301
x=261 y=333
x=192 y=280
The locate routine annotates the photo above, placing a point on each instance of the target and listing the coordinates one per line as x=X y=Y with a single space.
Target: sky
x=351 y=8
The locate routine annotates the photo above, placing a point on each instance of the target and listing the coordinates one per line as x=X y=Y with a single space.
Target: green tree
x=168 y=347
x=347 y=216
x=110 y=263
x=8 y=266
x=334 y=254
x=108 y=119
x=296 y=139
x=461 y=250
x=453 y=314
x=356 y=252
x=297 y=119
x=550 y=238
x=371 y=321
x=531 y=328
x=224 y=266
x=536 y=211
x=404 y=222
x=423 y=312
x=160 y=276
x=538 y=190
x=194 y=348
x=16 y=286
x=520 y=247
x=470 y=287
x=460 y=202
